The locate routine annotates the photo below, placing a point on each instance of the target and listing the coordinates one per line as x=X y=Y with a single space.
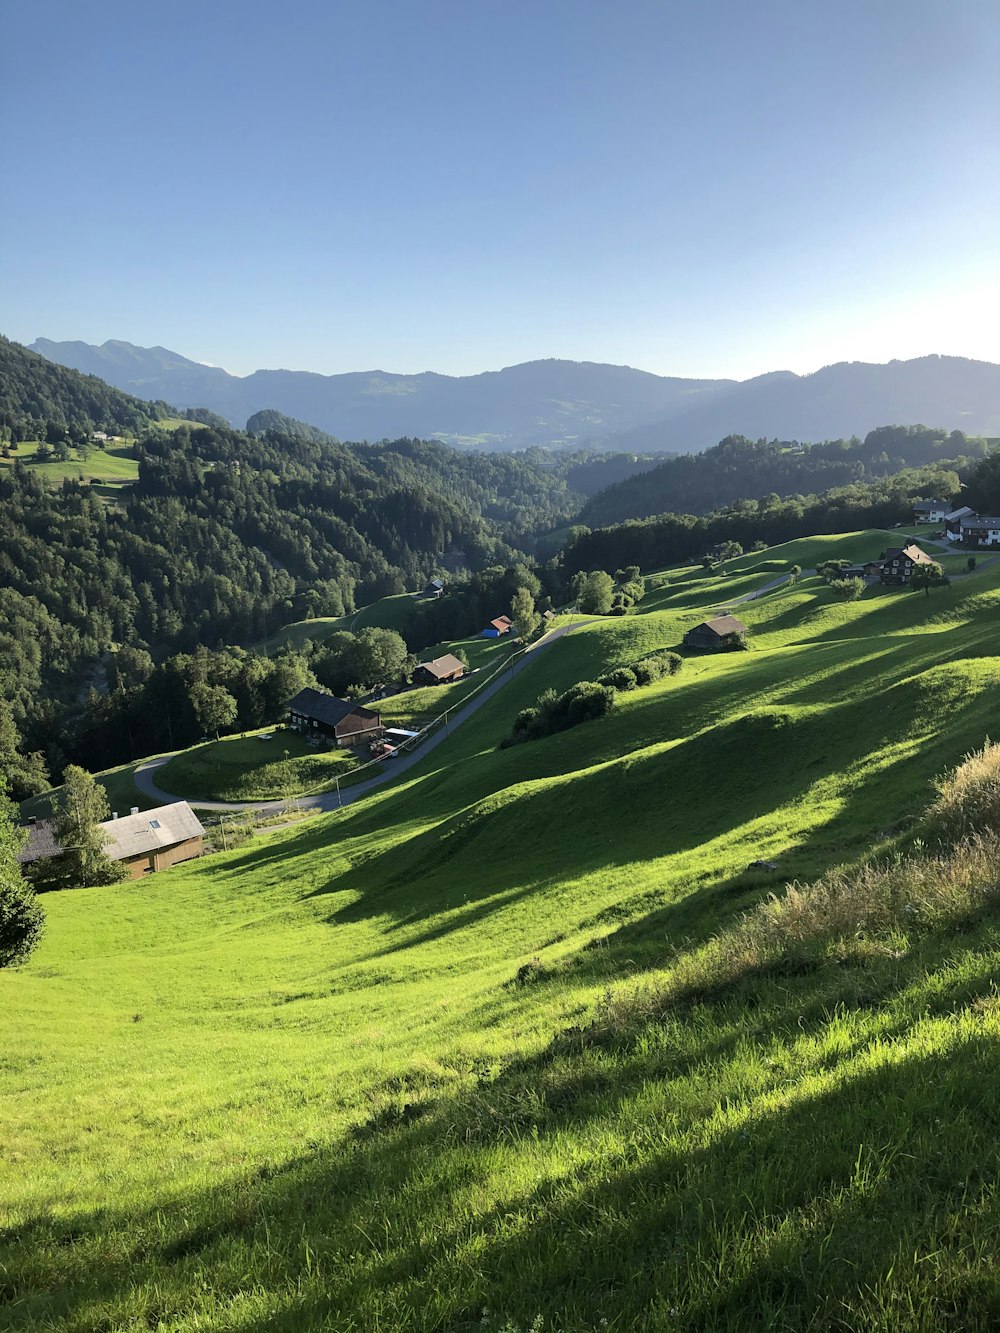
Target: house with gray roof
x=714 y=635
x=143 y=840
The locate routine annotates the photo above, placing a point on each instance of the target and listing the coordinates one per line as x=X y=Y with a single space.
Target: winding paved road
x=143 y=775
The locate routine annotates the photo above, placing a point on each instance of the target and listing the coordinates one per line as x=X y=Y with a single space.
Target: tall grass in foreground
x=876 y=907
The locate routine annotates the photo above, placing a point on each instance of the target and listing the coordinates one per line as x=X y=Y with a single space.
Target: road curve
x=328 y=800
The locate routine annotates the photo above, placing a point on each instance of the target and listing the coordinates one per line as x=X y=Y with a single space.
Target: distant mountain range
x=566 y=403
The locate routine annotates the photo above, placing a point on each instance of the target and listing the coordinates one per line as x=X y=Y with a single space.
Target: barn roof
x=723 y=625
x=130 y=835
x=445 y=665
x=149 y=830
x=325 y=708
x=42 y=842
x=912 y=552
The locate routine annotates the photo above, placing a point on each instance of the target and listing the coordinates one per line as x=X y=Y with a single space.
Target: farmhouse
x=502 y=625
x=439 y=671
x=953 y=522
x=898 y=563
x=316 y=713
x=979 y=530
x=712 y=635
x=435 y=588
x=929 y=511
x=145 y=841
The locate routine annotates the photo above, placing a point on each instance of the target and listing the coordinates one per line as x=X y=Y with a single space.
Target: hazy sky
x=714 y=187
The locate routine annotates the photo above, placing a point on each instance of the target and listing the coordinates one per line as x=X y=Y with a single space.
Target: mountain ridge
x=559 y=403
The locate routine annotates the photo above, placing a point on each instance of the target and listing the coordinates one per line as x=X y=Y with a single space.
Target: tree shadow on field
x=512 y=841
x=737 y=1202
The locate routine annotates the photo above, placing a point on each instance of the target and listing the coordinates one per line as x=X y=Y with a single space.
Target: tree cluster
x=738 y=467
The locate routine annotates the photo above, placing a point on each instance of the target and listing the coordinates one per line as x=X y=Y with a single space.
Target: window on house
x=154 y=823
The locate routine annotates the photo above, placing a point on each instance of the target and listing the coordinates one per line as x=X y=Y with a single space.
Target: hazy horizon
x=510 y=365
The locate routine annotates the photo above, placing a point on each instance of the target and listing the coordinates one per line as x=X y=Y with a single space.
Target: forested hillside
x=738 y=469
x=38 y=399
x=224 y=537
x=671 y=537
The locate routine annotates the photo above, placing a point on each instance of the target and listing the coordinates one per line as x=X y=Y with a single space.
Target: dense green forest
x=667 y=538
x=737 y=468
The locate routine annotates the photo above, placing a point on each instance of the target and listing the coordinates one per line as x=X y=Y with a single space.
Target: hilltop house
x=930 y=511
x=318 y=714
x=899 y=561
x=979 y=530
x=145 y=841
x=435 y=588
x=439 y=671
x=713 y=635
x=502 y=625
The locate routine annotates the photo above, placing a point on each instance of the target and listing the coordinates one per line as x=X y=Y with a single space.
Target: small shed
x=502 y=625
x=713 y=635
x=316 y=713
x=435 y=587
x=439 y=671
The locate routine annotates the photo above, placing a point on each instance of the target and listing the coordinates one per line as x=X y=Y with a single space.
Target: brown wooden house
x=144 y=840
x=151 y=840
x=439 y=671
x=713 y=635
x=899 y=561
x=316 y=713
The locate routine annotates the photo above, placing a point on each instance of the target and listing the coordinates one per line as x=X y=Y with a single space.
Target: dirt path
x=144 y=779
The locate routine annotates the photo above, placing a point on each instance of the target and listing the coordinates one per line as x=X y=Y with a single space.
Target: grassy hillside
x=387 y=613
x=115 y=465
x=423 y=1065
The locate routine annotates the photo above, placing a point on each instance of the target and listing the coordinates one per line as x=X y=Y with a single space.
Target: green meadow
x=255 y=766
x=387 y=613
x=423 y=1064
x=113 y=466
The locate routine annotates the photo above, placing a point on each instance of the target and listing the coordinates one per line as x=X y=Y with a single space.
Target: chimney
x=134 y=810
x=114 y=814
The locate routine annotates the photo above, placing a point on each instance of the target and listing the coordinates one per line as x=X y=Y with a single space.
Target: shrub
x=847 y=590
x=21 y=920
x=622 y=678
x=586 y=701
x=645 y=672
x=580 y=703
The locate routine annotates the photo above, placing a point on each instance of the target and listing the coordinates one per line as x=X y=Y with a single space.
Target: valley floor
x=421 y=1064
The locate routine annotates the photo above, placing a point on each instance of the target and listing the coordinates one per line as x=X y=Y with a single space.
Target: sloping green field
x=116 y=465
x=405 y=1068
x=387 y=613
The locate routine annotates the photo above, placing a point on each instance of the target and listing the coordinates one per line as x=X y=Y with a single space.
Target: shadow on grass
x=721 y=1173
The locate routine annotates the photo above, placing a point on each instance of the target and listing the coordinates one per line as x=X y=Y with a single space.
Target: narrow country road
x=143 y=774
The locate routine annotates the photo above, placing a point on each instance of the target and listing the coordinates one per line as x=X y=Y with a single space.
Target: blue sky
x=709 y=187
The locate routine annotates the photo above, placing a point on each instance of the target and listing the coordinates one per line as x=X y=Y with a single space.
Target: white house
x=929 y=511
x=980 y=530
